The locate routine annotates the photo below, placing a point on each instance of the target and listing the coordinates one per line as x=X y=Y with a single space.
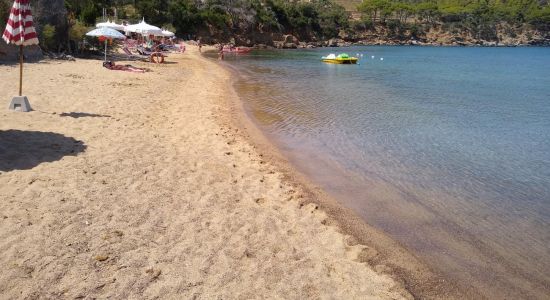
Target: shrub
x=77 y=31
x=364 y=24
x=416 y=30
x=540 y=18
x=395 y=26
x=48 y=36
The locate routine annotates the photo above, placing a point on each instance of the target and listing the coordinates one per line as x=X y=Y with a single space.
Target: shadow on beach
x=77 y=115
x=23 y=150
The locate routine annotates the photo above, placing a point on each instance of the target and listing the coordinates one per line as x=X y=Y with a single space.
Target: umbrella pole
x=20 y=70
x=105 y=49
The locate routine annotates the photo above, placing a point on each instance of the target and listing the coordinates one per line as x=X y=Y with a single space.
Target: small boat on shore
x=237 y=50
x=341 y=59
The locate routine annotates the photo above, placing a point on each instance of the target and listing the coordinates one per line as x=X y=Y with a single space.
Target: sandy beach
x=122 y=185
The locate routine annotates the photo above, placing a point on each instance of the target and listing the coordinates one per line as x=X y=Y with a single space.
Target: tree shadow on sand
x=23 y=150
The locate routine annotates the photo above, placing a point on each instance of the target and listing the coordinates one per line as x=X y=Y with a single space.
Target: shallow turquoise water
x=445 y=149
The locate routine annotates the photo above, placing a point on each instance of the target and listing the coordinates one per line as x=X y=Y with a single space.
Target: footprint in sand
x=260 y=200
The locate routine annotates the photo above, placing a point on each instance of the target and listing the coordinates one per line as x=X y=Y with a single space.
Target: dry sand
x=122 y=185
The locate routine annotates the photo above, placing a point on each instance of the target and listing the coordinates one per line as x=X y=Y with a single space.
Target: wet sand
x=127 y=185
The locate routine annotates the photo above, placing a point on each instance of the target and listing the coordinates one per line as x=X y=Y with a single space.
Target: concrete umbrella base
x=20 y=103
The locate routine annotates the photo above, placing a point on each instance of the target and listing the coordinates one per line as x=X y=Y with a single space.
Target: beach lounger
x=130 y=44
x=154 y=56
x=144 y=52
x=133 y=56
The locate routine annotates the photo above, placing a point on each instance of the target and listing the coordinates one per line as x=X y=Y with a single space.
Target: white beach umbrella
x=116 y=26
x=167 y=33
x=144 y=29
x=111 y=25
x=106 y=32
x=104 y=24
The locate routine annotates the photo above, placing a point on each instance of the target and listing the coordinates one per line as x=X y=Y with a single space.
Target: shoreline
x=499 y=276
x=400 y=44
x=389 y=257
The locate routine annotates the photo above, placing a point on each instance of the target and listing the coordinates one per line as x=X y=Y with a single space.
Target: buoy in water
x=381 y=58
x=372 y=57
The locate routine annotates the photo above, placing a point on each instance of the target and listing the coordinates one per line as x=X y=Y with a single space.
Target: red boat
x=236 y=50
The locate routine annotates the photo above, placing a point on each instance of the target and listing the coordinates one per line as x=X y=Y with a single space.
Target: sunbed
x=133 y=56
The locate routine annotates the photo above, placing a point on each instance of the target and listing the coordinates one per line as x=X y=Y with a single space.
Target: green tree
x=154 y=11
x=332 y=18
x=185 y=16
x=375 y=8
x=89 y=14
x=427 y=11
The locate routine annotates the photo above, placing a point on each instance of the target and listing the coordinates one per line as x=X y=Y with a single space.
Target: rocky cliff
x=51 y=12
x=501 y=35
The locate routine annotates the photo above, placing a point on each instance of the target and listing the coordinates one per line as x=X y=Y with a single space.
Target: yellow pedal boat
x=341 y=59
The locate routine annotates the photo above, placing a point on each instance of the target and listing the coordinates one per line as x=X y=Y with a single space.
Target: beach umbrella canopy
x=144 y=29
x=111 y=25
x=20 y=31
x=167 y=33
x=106 y=32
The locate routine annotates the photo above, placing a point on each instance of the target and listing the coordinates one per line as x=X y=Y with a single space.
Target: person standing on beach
x=220 y=53
x=200 y=45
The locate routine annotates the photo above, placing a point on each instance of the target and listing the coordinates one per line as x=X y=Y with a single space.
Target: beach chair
x=130 y=44
x=171 y=48
x=132 y=56
x=154 y=56
x=142 y=51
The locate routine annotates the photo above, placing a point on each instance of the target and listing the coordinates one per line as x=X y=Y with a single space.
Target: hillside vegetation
x=487 y=20
x=349 y=5
x=314 y=21
x=220 y=18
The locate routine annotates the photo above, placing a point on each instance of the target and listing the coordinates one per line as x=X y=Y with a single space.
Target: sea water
x=447 y=150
